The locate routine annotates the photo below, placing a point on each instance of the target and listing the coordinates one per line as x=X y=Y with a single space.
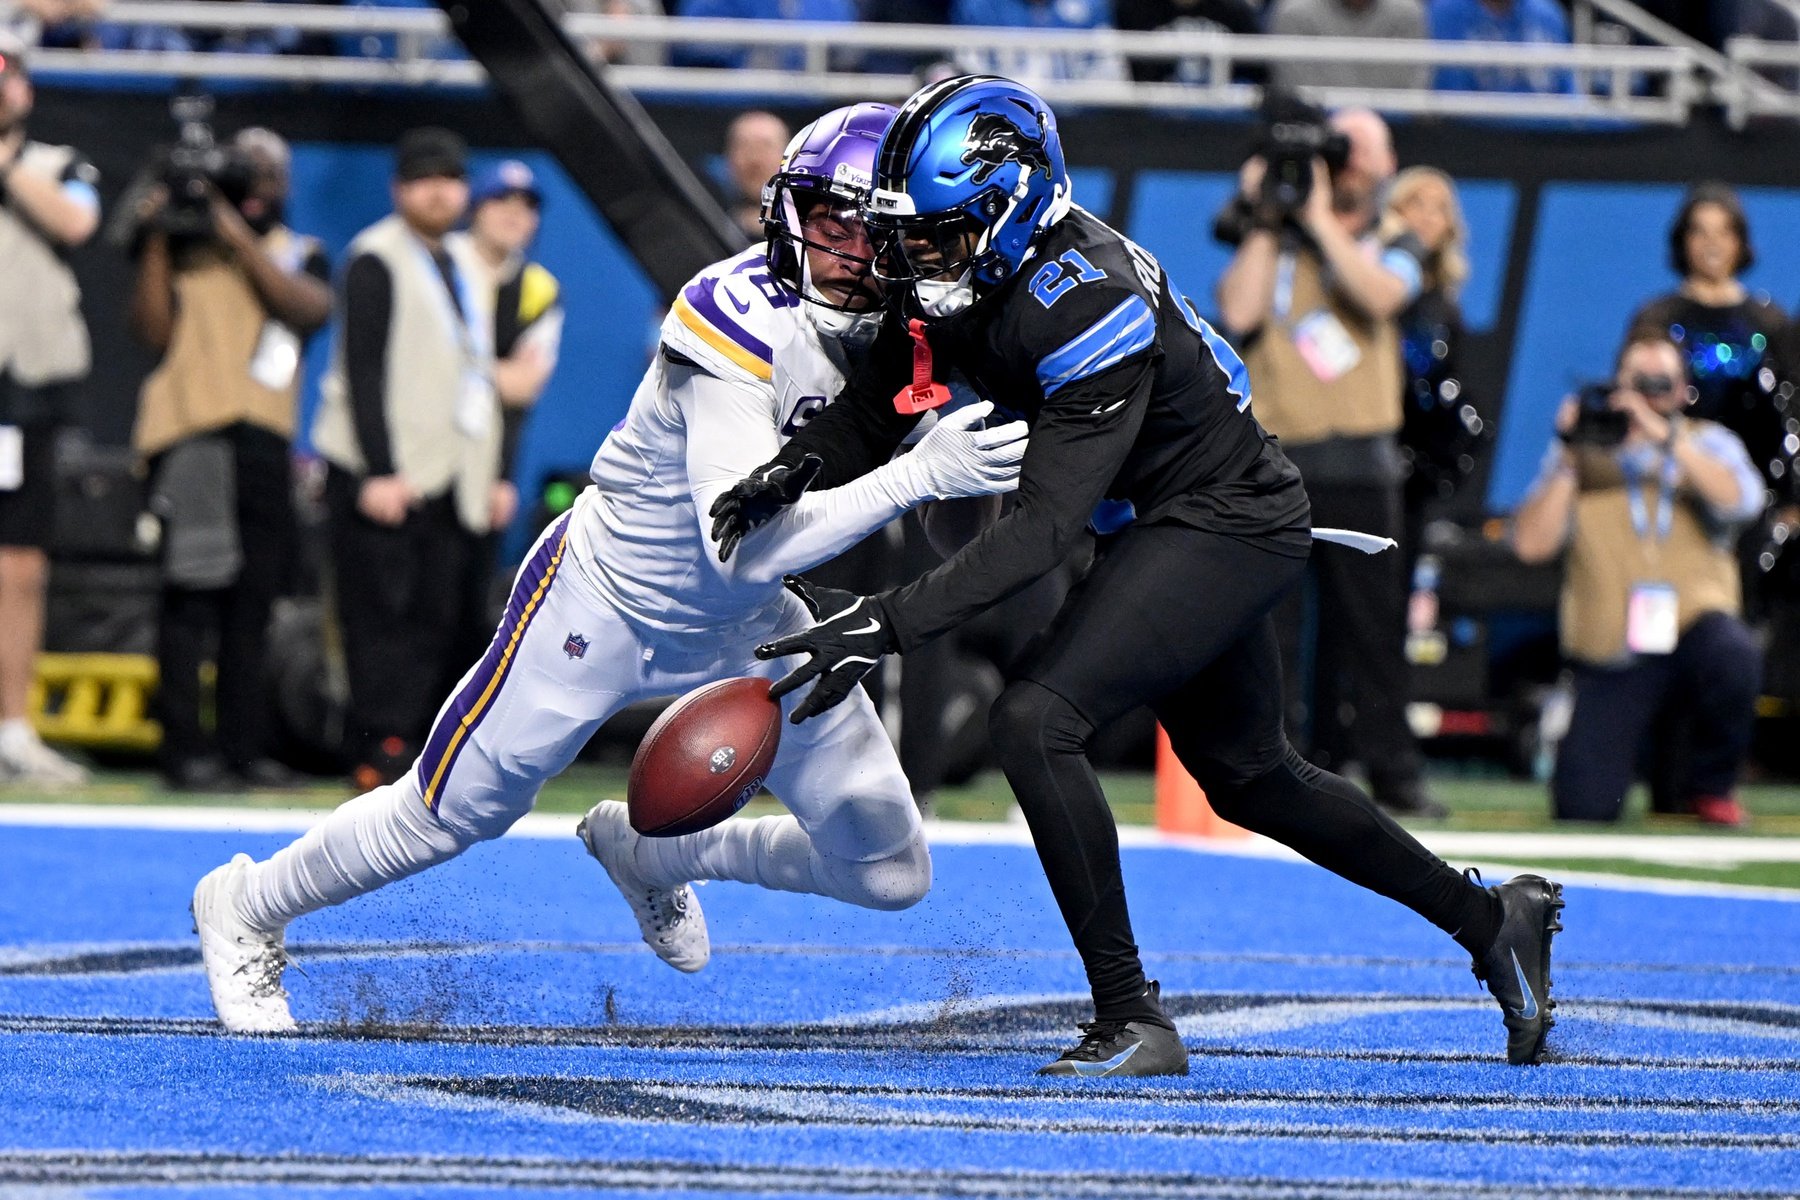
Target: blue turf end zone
x=494 y=1024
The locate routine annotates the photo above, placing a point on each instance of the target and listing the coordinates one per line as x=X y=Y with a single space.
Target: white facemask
x=855 y=330
x=944 y=297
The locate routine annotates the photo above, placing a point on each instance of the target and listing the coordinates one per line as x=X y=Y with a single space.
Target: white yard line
x=1496 y=853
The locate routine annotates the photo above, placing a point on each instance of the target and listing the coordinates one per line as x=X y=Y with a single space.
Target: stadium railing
x=1653 y=84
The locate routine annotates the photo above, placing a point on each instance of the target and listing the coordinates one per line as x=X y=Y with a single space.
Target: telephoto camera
x=1597 y=422
x=1294 y=133
x=194 y=162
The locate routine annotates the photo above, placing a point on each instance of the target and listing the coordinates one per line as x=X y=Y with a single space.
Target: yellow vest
x=1291 y=401
x=428 y=365
x=1606 y=558
x=204 y=380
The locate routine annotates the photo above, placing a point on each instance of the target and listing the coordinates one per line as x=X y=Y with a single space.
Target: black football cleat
x=1124 y=1048
x=1516 y=969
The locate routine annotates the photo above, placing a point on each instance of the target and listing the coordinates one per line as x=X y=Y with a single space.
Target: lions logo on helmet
x=970 y=177
x=995 y=141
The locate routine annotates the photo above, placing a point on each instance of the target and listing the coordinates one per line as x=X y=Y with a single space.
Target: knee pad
x=1028 y=715
x=888 y=884
x=1229 y=773
x=1237 y=785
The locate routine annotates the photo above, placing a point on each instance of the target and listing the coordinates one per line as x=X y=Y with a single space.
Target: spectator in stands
x=1183 y=16
x=64 y=24
x=226 y=297
x=902 y=12
x=410 y=428
x=1035 y=67
x=765 y=58
x=754 y=142
x=1648 y=515
x=1349 y=18
x=616 y=51
x=1440 y=430
x=504 y=209
x=1313 y=298
x=1523 y=21
x=48 y=205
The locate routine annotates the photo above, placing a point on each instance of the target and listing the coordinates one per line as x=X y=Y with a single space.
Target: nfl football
x=704 y=758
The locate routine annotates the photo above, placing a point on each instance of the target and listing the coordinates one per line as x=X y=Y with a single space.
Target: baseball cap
x=13 y=53
x=428 y=152
x=508 y=178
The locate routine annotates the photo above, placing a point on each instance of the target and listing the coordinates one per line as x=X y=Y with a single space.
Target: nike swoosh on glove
x=755 y=499
x=850 y=638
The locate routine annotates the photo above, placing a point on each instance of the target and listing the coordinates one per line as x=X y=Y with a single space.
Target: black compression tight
x=1178 y=619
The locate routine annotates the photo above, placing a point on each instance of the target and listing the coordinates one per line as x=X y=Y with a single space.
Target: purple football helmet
x=816 y=199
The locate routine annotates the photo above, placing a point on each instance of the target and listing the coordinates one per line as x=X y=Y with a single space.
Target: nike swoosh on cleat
x=1530 y=1011
x=1111 y=1064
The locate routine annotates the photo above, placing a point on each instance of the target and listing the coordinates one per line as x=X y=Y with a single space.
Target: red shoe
x=1720 y=810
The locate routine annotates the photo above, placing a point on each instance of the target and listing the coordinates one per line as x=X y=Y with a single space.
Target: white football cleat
x=243 y=965
x=670 y=918
x=25 y=759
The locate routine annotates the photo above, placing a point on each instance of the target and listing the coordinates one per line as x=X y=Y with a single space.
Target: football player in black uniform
x=1140 y=424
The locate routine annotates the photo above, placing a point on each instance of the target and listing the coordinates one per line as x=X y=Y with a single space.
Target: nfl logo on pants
x=575 y=646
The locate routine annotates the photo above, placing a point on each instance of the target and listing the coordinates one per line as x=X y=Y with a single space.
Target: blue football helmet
x=969 y=178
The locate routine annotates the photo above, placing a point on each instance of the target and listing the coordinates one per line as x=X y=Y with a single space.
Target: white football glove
x=957 y=458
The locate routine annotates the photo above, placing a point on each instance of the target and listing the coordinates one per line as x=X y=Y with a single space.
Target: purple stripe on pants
x=450 y=733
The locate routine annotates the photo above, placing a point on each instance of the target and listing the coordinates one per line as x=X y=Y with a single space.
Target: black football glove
x=850 y=638
x=757 y=497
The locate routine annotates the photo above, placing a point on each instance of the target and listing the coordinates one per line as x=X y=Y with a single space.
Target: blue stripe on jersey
x=1236 y=373
x=1128 y=328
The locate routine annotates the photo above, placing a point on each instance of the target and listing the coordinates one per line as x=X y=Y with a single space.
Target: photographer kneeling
x=1648 y=504
x=225 y=293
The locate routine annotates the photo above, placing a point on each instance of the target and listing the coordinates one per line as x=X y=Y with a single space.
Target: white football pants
x=562 y=661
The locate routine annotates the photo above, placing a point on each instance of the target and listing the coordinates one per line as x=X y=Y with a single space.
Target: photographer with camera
x=48 y=205
x=1313 y=298
x=1647 y=504
x=226 y=294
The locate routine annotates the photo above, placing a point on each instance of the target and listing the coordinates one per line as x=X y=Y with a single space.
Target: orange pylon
x=1181 y=805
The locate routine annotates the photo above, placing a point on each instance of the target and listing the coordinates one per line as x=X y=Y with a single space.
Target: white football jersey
x=637 y=534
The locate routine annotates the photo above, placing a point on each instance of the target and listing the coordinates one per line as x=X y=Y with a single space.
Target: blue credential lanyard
x=1282 y=302
x=1665 y=497
x=470 y=332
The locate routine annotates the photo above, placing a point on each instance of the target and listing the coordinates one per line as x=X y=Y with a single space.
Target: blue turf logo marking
x=1530 y=1011
x=1110 y=1065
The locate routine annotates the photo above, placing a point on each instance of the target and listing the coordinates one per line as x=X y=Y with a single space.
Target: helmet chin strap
x=939 y=298
x=854 y=329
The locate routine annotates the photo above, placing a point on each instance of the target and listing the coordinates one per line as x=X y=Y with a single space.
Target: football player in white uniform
x=626 y=597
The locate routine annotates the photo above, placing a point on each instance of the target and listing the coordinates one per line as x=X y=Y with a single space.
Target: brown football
x=704 y=758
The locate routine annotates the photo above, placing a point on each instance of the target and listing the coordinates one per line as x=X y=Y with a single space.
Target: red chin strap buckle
x=922 y=395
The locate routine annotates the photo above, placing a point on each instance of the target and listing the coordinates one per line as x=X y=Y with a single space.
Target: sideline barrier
x=96 y=700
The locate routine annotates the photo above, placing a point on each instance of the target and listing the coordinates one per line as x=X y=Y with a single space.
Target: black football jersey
x=1139 y=411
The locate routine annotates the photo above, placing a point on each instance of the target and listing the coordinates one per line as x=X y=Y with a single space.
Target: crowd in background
x=438 y=300
x=94 y=24
x=1342 y=297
